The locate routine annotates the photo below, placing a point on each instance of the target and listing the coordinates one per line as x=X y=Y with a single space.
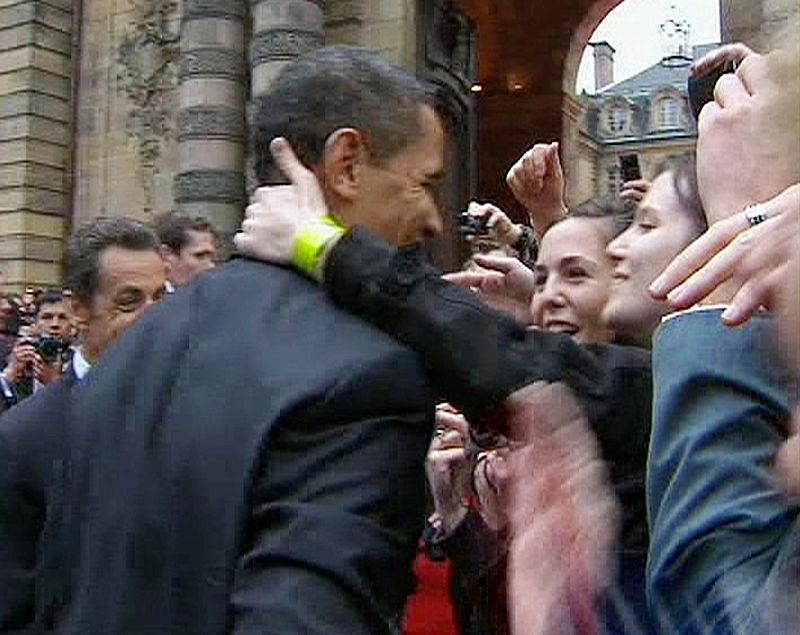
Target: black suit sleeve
x=476 y=357
x=338 y=509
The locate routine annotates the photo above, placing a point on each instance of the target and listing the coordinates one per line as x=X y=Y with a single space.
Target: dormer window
x=669 y=113
x=617 y=118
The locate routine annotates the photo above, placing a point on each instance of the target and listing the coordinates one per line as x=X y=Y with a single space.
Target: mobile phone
x=629 y=167
x=701 y=89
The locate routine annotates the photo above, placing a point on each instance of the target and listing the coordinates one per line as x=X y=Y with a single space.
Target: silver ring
x=755 y=214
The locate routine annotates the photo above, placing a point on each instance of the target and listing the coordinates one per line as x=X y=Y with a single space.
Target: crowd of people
x=572 y=421
x=41 y=330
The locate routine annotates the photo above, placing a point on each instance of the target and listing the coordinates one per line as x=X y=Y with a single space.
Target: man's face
x=130 y=282
x=398 y=197
x=197 y=255
x=53 y=320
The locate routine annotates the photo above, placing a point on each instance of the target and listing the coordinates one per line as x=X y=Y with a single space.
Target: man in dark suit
x=115 y=272
x=249 y=458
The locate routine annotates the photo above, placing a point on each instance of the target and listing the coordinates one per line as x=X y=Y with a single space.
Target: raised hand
x=277 y=213
x=537 y=182
x=747 y=137
x=503 y=283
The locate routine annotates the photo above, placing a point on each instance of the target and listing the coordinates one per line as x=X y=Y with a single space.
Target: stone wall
x=388 y=26
x=35 y=130
x=763 y=24
x=126 y=155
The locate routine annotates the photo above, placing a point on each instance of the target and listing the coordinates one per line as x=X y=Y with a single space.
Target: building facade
x=646 y=116
x=134 y=107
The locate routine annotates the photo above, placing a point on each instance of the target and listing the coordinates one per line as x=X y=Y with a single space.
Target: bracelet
x=314 y=240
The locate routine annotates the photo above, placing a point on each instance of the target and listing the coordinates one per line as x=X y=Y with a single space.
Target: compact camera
x=470 y=225
x=49 y=348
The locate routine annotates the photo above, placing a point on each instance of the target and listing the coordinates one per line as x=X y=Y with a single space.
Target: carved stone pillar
x=211 y=119
x=282 y=31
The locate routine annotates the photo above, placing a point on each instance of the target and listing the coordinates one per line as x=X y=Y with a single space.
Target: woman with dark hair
x=669 y=218
x=573 y=271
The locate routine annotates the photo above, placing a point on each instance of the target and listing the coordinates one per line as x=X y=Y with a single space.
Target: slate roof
x=657 y=76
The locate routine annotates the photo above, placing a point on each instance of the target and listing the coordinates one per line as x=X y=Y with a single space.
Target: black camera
x=470 y=225
x=701 y=89
x=48 y=347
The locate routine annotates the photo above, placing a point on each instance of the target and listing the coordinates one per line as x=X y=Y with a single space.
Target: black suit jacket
x=31 y=445
x=247 y=458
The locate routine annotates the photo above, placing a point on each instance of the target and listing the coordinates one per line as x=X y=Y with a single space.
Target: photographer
x=37 y=358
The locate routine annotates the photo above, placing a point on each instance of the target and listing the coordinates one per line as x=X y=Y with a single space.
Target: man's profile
x=248 y=458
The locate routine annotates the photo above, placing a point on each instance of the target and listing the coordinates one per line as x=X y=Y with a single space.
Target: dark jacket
x=31 y=444
x=247 y=458
x=476 y=357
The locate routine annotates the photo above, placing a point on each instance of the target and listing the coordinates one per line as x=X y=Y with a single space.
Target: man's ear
x=81 y=311
x=342 y=162
x=168 y=255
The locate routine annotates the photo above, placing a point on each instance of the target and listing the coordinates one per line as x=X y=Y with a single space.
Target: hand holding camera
x=487 y=220
x=40 y=357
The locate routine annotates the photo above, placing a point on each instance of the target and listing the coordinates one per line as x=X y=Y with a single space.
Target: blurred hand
x=714 y=59
x=501 y=228
x=747 y=137
x=448 y=468
x=537 y=182
x=47 y=372
x=505 y=284
x=278 y=213
x=563 y=515
x=22 y=361
x=754 y=263
x=490 y=477
x=634 y=191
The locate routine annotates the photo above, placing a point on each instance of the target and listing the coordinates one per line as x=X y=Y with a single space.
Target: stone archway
x=528 y=62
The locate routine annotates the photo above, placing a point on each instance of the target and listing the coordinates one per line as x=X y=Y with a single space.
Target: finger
x=288 y=162
x=445 y=459
x=540 y=164
x=730 y=91
x=696 y=255
x=451 y=421
x=241 y=241
x=466 y=279
x=496 y=263
x=447 y=440
x=713 y=273
x=553 y=160
x=639 y=185
x=729 y=53
x=756 y=292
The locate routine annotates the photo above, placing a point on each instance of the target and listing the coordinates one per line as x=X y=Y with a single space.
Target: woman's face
x=573 y=275
x=660 y=230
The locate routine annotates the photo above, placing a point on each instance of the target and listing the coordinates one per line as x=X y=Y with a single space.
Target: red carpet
x=429 y=610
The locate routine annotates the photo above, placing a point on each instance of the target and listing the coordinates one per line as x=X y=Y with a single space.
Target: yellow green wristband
x=312 y=243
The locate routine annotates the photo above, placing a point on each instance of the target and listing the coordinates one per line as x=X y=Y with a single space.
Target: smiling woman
x=573 y=272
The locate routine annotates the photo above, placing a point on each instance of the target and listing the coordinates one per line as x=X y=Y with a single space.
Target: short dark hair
x=173 y=228
x=49 y=296
x=88 y=242
x=337 y=87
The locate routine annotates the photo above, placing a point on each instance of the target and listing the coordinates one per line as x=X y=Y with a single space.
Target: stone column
x=282 y=31
x=211 y=119
x=35 y=139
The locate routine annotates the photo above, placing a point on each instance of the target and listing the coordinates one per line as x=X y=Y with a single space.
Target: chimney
x=603 y=64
